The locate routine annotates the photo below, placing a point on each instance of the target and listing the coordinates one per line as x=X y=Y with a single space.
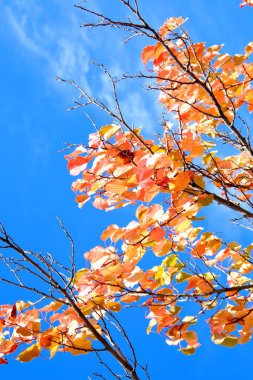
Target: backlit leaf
x=29 y=354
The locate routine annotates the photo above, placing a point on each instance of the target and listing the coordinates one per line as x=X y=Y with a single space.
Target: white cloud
x=19 y=28
x=54 y=38
x=139 y=110
x=138 y=107
x=53 y=35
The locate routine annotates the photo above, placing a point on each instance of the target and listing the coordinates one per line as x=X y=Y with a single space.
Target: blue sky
x=41 y=39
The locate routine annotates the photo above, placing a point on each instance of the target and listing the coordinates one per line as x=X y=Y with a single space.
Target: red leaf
x=77 y=165
x=3 y=361
x=147 y=53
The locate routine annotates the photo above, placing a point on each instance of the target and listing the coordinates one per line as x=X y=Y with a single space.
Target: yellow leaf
x=182 y=276
x=190 y=320
x=80 y=274
x=239 y=89
x=183 y=226
x=156 y=148
x=249 y=48
x=87 y=309
x=81 y=345
x=56 y=306
x=235 y=246
x=230 y=341
x=29 y=354
x=205 y=199
x=166 y=248
x=209 y=305
x=113 y=306
x=54 y=349
x=198 y=218
x=207 y=158
x=108 y=131
x=20 y=305
x=249 y=249
x=170 y=261
x=151 y=324
x=209 y=276
x=238 y=279
x=174 y=310
x=239 y=59
x=188 y=350
x=249 y=99
x=198 y=179
x=50 y=338
x=159 y=273
x=207 y=235
x=209 y=144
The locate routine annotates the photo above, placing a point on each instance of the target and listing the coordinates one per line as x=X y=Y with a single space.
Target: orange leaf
x=157 y=233
x=29 y=354
x=77 y=164
x=147 y=53
x=82 y=199
x=171 y=24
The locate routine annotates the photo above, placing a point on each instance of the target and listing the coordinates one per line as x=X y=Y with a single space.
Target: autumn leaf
x=80 y=345
x=171 y=24
x=107 y=131
x=148 y=53
x=188 y=350
x=77 y=165
x=3 y=361
x=29 y=354
x=246 y=2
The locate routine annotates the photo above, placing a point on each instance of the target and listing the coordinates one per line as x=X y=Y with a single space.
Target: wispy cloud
x=139 y=107
x=140 y=110
x=52 y=34
x=19 y=28
x=53 y=38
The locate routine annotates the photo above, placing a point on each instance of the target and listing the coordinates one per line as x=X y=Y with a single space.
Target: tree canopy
x=200 y=158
